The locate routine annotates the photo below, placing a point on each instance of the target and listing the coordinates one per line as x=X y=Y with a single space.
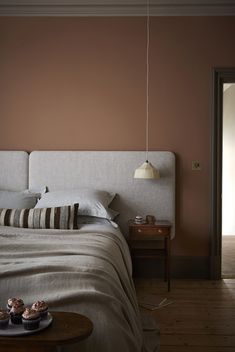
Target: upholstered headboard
x=111 y=171
x=14 y=170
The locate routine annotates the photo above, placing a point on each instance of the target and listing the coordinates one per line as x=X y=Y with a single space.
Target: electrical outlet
x=196 y=166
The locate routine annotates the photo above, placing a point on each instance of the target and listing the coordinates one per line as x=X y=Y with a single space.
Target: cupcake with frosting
x=30 y=319
x=4 y=319
x=13 y=300
x=16 y=312
x=42 y=308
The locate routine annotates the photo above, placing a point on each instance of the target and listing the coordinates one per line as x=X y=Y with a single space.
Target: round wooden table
x=66 y=328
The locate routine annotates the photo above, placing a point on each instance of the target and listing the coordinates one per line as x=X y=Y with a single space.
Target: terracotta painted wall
x=79 y=83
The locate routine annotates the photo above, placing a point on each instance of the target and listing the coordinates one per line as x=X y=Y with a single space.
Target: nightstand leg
x=168 y=257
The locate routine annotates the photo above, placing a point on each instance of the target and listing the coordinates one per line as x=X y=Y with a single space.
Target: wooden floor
x=228 y=256
x=201 y=318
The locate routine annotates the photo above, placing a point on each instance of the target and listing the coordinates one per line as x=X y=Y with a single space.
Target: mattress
x=86 y=271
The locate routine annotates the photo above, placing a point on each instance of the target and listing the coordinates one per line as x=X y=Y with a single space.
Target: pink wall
x=79 y=83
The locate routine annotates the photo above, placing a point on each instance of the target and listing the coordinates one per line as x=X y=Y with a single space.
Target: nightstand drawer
x=148 y=232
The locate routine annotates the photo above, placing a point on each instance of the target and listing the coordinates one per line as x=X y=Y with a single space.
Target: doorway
x=223 y=182
x=228 y=182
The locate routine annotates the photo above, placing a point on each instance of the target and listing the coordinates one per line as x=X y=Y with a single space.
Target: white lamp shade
x=147 y=170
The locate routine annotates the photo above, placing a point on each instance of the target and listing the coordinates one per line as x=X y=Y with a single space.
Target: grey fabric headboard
x=14 y=170
x=111 y=171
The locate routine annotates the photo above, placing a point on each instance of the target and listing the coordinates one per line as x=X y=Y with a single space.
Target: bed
x=86 y=269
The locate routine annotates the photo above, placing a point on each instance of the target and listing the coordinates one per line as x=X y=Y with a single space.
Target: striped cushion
x=41 y=218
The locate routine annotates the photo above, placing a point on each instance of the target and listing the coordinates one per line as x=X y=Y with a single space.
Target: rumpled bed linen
x=83 y=271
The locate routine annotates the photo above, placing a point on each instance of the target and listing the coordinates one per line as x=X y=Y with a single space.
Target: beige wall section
x=228 y=183
x=79 y=83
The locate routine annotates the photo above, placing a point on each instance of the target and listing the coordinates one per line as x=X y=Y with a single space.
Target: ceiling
x=116 y=7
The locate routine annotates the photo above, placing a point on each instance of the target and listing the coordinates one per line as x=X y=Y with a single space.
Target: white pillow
x=91 y=202
x=18 y=199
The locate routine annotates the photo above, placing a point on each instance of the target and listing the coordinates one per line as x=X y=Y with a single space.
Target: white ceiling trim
x=116 y=8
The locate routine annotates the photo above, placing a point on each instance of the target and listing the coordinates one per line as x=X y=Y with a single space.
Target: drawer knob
x=139 y=230
x=159 y=230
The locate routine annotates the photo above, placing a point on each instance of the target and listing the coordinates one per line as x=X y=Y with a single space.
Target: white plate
x=18 y=330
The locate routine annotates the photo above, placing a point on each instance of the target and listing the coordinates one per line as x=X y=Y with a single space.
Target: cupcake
x=16 y=312
x=30 y=319
x=4 y=319
x=42 y=308
x=13 y=300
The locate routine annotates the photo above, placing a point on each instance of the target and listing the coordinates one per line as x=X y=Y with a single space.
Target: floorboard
x=201 y=317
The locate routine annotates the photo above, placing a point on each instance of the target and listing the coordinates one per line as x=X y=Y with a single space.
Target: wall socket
x=196 y=166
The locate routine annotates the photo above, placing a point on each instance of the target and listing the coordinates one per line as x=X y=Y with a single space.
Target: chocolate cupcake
x=42 y=308
x=16 y=313
x=4 y=319
x=31 y=319
x=13 y=300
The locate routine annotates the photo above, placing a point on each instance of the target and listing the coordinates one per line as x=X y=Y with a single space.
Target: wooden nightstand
x=142 y=240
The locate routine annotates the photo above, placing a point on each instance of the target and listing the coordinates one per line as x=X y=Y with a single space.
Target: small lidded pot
x=150 y=219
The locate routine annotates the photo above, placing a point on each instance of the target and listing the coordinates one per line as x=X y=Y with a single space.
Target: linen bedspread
x=78 y=271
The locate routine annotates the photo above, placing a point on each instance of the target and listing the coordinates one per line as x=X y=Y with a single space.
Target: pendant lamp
x=147 y=170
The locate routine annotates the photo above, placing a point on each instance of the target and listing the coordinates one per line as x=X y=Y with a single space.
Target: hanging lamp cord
x=147 y=79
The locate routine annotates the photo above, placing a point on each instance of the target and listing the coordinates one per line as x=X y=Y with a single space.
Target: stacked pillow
x=56 y=210
x=92 y=202
x=22 y=199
